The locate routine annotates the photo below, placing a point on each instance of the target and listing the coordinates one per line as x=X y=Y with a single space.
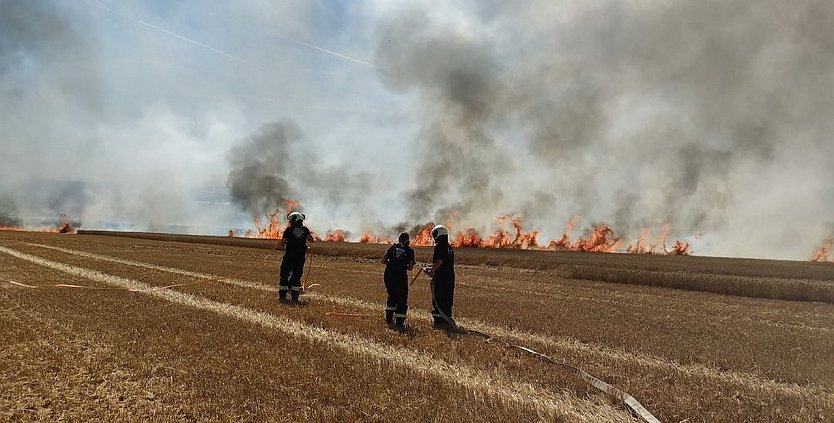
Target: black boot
x=400 y=325
x=295 y=297
x=389 y=317
x=282 y=296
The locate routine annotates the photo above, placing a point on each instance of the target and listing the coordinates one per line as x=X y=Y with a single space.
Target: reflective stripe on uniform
x=438 y=315
x=399 y=315
x=390 y=308
x=283 y=287
x=295 y=288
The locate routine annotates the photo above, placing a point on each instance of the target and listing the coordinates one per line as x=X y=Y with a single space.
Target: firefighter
x=399 y=259
x=295 y=240
x=442 y=273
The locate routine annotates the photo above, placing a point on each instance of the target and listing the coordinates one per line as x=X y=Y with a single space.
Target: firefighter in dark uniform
x=443 y=277
x=295 y=250
x=399 y=259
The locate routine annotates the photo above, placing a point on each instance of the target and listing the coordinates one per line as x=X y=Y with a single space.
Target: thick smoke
x=8 y=213
x=274 y=166
x=35 y=40
x=634 y=113
x=260 y=167
x=711 y=116
x=115 y=124
x=33 y=36
x=456 y=75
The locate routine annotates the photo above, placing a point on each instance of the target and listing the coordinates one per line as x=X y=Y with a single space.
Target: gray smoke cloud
x=274 y=166
x=260 y=167
x=34 y=39
x=636 y=113
x=119 y=125
x=456 y=75
x=711 y=116
x=8 y=213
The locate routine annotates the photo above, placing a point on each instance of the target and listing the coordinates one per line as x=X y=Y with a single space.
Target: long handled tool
x=304 y=286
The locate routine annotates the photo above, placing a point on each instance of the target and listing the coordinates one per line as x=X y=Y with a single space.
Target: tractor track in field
x=497 y=286
x=687 y=355
x=743 y=379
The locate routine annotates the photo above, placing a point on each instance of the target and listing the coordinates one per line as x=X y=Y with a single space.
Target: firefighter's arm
x=411 y=265
x=434 y=267
x=384 y=258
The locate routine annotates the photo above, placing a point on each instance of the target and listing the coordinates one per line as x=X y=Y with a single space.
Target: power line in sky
x=221 y=52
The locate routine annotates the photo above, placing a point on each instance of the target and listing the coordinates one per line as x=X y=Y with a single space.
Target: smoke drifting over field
x=258 y=178
x=633 y=113
x=270 y=168
x=34 y=38
x=110 y=123
x=711 y=116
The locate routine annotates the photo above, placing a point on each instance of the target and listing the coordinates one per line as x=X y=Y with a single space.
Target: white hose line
x=630 y=402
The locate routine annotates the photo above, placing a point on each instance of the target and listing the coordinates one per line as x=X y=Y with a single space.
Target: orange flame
x=273 y=226
x=564 y=244
x=599 y=239
x=423 y=237
x=367 y=238
x=602 y=240
x=336 y=235
x=643 y=246
x=501 y=238
x=64 y=226
x=680 y=249
x=822 y=253
x=275 y=222
x=468 y=238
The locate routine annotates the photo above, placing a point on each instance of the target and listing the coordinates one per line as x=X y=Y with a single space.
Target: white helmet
x=439 y=231
x=296 y=217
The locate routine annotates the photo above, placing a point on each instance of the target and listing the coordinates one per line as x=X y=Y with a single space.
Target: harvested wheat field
x=175 y=328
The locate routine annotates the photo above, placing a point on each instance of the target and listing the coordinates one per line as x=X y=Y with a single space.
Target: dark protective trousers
x=292 y=268
x=443 y=296
x=397 y=287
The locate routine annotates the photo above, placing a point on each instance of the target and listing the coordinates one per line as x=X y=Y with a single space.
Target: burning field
x=64 y=226
x=510 y=234
x=823 y=254
x=188 y=328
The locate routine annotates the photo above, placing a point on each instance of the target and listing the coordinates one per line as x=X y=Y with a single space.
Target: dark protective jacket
x=443 y=251
x=295 y=241
x=398 y=257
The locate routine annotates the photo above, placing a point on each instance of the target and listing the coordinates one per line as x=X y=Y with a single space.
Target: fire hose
x=304 y=286
x=427 y=269
x=630 y=402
